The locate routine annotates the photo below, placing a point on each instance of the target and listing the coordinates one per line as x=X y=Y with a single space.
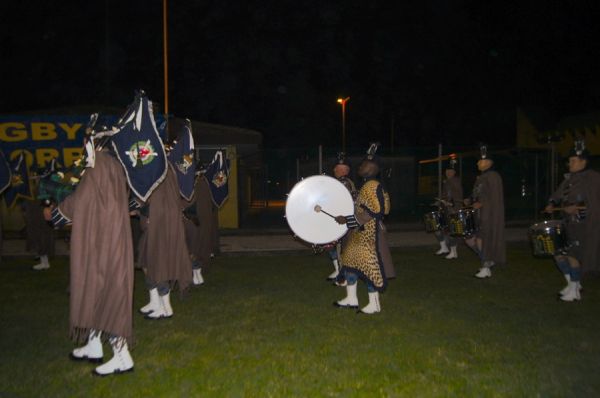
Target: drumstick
x=318 y=209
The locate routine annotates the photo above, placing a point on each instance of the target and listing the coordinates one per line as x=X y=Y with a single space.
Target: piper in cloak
x=365 y=251
x=488 y=198
x=579 y=197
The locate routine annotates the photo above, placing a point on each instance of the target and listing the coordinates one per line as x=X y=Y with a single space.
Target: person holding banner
x=101 y=261
x=579 y=198
x=199 y=225
x=365 y=253
x=163 y=252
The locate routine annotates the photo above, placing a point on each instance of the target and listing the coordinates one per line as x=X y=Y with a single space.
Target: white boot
x=443 y=248
x=566 y=288
x=351 y=300
x=153 y=305
x=484 y=272
x=165 y=310
x=197 y=279
x=92 y=351
x=336 y=271
x=373 y=305
x=121 y=362
x=572 y=293
x=44 y=264
x=453 y=253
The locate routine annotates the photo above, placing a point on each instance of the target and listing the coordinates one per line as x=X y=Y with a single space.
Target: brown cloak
x=583 y=188
x=489 y=192
x=163 y=249
x=40 y=234
x=101 y=251
x=200 y=238
x=452 y=192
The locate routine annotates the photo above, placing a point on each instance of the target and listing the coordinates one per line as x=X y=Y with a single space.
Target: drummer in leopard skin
x=579 y=197
x=488 y=199
x=341 y=170
x=365 y=251
x=450 y=202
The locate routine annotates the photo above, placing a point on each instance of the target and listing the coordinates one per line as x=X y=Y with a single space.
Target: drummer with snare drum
x=578 y=198
x=451 y=200
x=488 y=198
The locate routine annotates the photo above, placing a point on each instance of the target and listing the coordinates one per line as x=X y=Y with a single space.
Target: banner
x=45 y=137
x=217 y=175
x=20 y=184
x=5 y=173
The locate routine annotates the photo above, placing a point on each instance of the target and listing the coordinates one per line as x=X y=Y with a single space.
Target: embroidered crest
x=219 y=179
x=16 y=180
x=141 y=152
x=185 y=165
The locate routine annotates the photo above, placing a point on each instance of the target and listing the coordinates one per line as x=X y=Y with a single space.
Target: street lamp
x=343 y=102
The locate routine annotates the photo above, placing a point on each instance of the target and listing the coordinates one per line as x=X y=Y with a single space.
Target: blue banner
x=182 y=158
x=45 y=137
x=20 y=184
x=217 y=175
x=140 y=149
x=5 y=173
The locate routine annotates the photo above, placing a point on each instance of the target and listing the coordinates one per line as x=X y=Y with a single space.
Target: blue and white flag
x=217 y=175
x=20 y=186
x=140 y=149
x=183 y=160
x=5 y=174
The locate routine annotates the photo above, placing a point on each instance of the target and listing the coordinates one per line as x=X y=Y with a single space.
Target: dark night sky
x=444 y=70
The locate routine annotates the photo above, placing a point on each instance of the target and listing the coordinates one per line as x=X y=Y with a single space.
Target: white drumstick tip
x=317 y=208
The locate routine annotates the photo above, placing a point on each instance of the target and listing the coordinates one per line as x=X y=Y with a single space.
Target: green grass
x=264 y=326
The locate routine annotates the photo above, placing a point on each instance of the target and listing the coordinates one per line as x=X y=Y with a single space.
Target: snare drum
x=434 y=221
x=548 y=238
x=462 y=223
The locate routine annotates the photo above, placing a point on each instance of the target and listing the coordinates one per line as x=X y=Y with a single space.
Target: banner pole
x=165 y=58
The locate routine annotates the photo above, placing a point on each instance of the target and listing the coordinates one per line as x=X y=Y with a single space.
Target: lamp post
x=343 y=102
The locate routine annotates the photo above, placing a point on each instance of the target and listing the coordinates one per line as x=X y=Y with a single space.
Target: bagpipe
x=56 y=185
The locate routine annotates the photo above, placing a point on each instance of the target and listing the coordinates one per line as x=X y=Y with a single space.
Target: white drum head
x=310 y=225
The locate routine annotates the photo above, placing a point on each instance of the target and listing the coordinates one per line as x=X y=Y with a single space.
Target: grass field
x=264 y=326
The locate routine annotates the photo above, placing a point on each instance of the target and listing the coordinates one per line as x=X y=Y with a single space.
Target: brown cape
x=200 y=238
x=40 y=234
x=489 y=192
x=101 y=287
x=452 y=192
x=163 y=249
x=583 y=188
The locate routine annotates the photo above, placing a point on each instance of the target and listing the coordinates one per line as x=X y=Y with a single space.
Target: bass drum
x=318 y=192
